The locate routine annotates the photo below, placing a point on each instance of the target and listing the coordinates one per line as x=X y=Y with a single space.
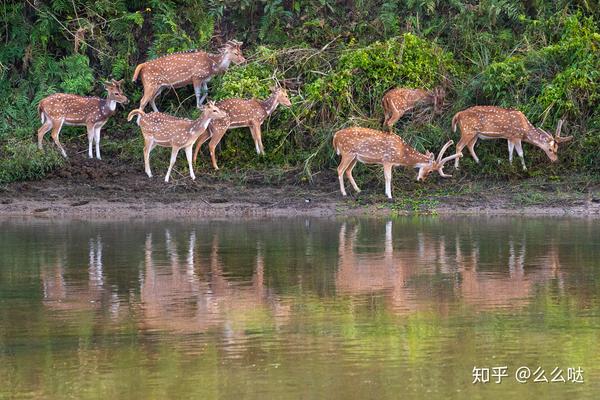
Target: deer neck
x=200 y=125
x=270 y=104
x=536 y=137
x=108 y=106
x=221 y=62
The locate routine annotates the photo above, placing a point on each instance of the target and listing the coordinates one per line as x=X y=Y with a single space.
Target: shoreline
x=113 y=189
x=102 y=209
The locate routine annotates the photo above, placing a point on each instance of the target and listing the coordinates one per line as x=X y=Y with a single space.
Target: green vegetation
x=336 y=57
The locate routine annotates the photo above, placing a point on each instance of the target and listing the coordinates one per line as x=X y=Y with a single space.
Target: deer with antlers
x=61 y=109
x=242 y=113
x=489 y=122
x=370 y=146
x=185 y=68
x=398 y=101
x=177 y=133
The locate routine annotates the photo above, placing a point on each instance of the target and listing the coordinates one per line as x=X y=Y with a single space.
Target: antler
x=557 y=137
x=441 y=161
x=234 y=43
x=441 y=153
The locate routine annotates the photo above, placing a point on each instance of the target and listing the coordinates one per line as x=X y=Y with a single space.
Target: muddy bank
x=115 y=189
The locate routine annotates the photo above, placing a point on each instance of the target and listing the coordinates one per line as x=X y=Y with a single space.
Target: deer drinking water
x=242 y=113
x=177 y=133
x=370 y=146
x=489 y=122
x=68 y=109
x=396 y=102
x=185 y=68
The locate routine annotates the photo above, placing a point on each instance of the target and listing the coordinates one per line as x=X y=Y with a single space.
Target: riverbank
x=113 y=189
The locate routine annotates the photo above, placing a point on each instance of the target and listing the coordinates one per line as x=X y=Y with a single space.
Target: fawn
x=242 y=113
x=185 y=68
x=68 y=109
x=165 y=130
x=396 y=102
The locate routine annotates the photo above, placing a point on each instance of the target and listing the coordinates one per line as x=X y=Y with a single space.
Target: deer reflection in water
x=399 y=274
x=199 y=299
x=59 y=294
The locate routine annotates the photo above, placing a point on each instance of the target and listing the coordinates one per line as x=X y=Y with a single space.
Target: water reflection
x=293 y=308
x=184 y=286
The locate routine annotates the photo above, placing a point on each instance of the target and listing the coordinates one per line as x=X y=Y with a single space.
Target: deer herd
x=353 y=144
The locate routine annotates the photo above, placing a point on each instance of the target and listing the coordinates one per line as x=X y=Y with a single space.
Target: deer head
x=281 y=96
x=209 y=112
x=115 y=91
x=549 y=143
x=233 y=51
x=437 y=164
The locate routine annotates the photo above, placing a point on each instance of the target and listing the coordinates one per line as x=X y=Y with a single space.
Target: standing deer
x=177 y=133
x=396 y=102
x=68 y=109
x=185 y=68
x=242 y=113
x=489 y=122
x=370 y=146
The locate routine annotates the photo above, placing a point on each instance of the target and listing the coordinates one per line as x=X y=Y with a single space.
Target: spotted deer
x=61 y=109
x=242 y=113
x=370 y=146
x=166 y=130
x=398 y=101
x=181 y=69
x=489 y=122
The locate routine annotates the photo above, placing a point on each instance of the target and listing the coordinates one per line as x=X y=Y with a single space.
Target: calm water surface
x=299 y=309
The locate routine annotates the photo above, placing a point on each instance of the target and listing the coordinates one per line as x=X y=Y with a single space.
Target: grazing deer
x=177 y=133
x=242 y=113
x=396 y=102
x=370 y=146
x=185 y=68
x=68 y=109
x=489 y=122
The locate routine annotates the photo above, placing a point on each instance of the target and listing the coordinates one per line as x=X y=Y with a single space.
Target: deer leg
x=97 y=138
x=387 y=174
x=395 y=115
x=148 y=146
x=42 y=131
x=342 y=167
x=511 y=147
x=201 y=139
x=519 y=149
x=216 y=136
x=55 y=131
x=256 y=134
x=471 y=146
x=199 y=88
x=350 y=177
x=174 y=152
x=459 y=146
x=90 y=134
x=188 y=155
x=153 y=100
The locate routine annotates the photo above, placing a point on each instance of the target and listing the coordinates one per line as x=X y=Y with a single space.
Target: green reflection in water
x=301 y=308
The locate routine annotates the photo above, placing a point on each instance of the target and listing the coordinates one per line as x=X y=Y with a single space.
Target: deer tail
x=137 y=71
x=137 y=111
x=41 y=113
x=335 y=146
x=455 y=121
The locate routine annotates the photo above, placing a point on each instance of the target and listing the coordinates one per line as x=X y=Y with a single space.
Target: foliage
x=337 y=58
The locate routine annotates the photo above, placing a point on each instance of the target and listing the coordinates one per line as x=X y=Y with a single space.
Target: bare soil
x=112 y=188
